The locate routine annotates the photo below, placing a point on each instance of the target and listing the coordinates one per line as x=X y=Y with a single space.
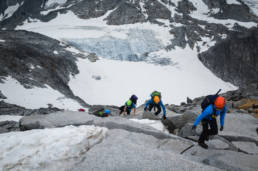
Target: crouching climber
x=156 y=103
x=213 y=106
x=129 y=105
x=102 y=113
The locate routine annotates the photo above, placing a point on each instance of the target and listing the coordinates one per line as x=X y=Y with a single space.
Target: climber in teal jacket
x=156 y=103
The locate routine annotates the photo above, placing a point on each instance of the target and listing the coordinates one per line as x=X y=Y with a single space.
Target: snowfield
x=36 y=97
x=108 y=81
x=47 y=149
x=120 y=79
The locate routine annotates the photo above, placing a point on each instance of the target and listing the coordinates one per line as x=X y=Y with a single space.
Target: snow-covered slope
x=48 y=149
x=160 y=39
x=184 y=75
x=36 y=97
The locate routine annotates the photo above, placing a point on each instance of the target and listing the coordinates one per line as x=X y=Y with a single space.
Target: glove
x=194 y=130
x=164 y=117
x=145 y=109
x=193 y=127
x=221 y=128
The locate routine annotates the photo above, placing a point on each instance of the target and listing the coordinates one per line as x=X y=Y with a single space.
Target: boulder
x=150 y=115
x=188 y=100
x=11 y=109
x=8 y=126
x=2 y=96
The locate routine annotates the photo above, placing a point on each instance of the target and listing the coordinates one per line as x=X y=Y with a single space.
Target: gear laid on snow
x=107 y=111
x=102 y=112
x=81 y=110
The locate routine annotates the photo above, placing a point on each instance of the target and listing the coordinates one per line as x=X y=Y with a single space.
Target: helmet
x=134 y=98
x=156 y=99
x=107 y=111
x=220 y=102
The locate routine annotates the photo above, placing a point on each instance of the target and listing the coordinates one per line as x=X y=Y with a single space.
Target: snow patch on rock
x=202 y=13
x=47 y=149
x=10 y=118
x=9 y=11
x=233 y=2
x=153 y=123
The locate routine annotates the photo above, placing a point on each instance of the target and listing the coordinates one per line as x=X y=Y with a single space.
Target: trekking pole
x=218 y=92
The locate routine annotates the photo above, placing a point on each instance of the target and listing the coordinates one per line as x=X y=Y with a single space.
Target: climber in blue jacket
x=208 y=117
x=156 y=102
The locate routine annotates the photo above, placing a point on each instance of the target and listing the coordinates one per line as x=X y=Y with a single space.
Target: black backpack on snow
x=210 y=99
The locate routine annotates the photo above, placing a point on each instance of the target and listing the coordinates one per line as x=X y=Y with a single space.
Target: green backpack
x=156 y=93
x=129 y=103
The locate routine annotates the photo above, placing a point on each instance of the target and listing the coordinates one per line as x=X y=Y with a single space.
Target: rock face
x=29 y=58
x=8 y=126
x=226 y=150
x=10 y=109
x=2 y=96
x=235 y=59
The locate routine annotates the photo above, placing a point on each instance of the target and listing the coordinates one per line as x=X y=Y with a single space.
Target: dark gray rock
x=92 y=57
x=179 y=39
x=186 y=131
x=28 y=57
x=93 y=8
x=150 y=115
x=8 y=126
x=11 y=109
x=2 y=96
x=235 y=59
x=126 y=13
x=169 y=125
x=188 y=100
x=240 y=12
x=185 y=7
x=156 y=10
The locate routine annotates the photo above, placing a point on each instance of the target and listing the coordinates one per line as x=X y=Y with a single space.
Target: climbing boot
x=203 y=145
